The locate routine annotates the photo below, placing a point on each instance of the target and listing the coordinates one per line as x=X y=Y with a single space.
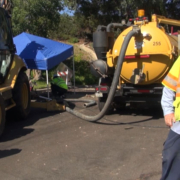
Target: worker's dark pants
x=57 y=91
x=171 y=157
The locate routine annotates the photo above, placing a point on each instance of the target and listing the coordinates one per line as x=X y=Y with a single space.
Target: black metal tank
x=102 y=42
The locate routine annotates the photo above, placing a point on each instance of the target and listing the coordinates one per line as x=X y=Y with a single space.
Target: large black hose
x=113 y=87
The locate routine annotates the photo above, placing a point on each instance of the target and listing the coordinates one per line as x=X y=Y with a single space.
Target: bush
x=50 y=73
x=83 y=75
x=73 y=40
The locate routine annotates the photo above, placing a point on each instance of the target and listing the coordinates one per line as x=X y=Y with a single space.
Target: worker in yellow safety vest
x=58 y=86
x=170 y=103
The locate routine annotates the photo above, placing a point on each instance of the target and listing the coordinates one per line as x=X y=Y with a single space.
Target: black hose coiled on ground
x=114 y=82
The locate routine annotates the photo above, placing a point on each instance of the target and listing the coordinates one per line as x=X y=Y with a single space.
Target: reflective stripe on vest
x=178 y=91
x=59 y=82
x=170 y=81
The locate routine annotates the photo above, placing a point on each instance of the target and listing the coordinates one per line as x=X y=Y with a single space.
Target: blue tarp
x=41 y=53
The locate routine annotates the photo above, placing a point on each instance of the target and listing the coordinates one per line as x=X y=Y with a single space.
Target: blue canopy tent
x=41 y=53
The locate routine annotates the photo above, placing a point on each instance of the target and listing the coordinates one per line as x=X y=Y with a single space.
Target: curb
x=82 y=89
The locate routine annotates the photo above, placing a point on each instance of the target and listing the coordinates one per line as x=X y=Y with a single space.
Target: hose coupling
x=136 y=29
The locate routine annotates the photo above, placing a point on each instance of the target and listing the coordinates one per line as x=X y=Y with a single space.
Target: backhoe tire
x=22 y=97
x=101 y=103
x=2 y=115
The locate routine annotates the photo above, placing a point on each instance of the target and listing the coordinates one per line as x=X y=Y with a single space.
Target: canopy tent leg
x=47 y=82
x=74 y=73
x=67 y=77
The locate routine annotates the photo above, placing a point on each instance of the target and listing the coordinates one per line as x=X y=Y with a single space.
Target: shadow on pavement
x=6 y=153
x=69 y=94
x=111 y=122
x=155 y=112
x=17 y=129
x=149 y=114
x=128 y=115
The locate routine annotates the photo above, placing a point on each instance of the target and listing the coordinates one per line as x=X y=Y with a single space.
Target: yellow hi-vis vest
x=172 y=81
x=59 y=82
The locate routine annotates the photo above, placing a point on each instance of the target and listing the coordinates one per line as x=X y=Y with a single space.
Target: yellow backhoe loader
x=14 y=84
x=15 y=97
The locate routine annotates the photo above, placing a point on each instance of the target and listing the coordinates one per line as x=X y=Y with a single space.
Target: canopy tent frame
x=42 y=53
x=47 y=79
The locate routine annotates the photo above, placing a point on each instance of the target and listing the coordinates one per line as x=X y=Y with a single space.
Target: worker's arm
x=167 y=100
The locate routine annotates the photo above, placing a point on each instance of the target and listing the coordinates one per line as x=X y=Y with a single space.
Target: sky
x=67 y=11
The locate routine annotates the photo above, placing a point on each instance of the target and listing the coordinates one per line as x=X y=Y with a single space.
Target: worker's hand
x=169 y=119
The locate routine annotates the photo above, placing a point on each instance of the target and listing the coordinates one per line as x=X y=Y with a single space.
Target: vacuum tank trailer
x=147 y=60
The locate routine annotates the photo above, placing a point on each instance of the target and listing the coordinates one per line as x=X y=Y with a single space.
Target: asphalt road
x=126 y=145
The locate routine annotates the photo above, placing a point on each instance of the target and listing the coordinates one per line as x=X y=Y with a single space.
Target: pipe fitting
x=137 y=30
x=114 y=25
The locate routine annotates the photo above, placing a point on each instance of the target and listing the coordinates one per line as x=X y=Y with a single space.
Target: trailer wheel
x=101 y=103
x=21 y=96
x=2 y=115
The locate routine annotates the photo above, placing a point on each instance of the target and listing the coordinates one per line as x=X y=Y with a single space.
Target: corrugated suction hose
x=134 y=32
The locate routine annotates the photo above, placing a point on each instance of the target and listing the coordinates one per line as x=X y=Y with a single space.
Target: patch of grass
x=73 y=40
x=41 y=84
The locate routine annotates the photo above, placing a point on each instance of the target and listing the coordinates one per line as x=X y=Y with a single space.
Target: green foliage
x=36 y=17
x=50 y=73
x=173 y=8
x=71 y=4
x=100 y=12
x=83 y=75
x=40 y=84
x=73 y=40
x=18 y=18
x=66 y=28
x=43 y=17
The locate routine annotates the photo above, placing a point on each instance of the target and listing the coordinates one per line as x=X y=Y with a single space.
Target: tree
x=43 y=17
x=173 y=8
x=36 y=17
x=103 y=12
x=66 y=29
